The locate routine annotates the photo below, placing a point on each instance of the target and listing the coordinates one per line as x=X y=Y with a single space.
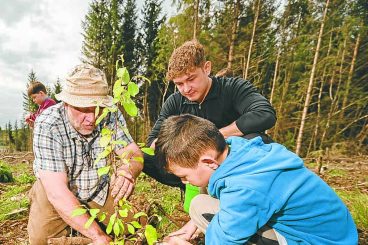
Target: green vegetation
x=337 y=173
x=357 y=204
x=14 y=201
x=166 y=197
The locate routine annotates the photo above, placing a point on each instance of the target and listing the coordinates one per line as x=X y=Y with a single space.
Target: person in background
x=233 y=104
x=37 y=91
x=258 y=193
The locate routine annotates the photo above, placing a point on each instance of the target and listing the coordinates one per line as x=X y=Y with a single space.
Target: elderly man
x=66 y=144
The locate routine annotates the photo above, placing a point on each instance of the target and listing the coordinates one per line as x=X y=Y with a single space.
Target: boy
x=261 y=193
x=37 y=91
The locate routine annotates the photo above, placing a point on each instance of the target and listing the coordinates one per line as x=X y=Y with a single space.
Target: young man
x=66 y=145
x=37 y=91
x=232 y=104
x=254 y=187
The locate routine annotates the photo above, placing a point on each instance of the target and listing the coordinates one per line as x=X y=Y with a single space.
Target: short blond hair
x=187 y=57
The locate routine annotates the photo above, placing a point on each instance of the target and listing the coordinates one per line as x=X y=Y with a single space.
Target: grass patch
x=14 y=195
x=337 y=173
x=357 y=204
x=167 y=197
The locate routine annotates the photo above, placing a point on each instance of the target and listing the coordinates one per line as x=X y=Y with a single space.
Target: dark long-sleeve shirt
x=229 y=100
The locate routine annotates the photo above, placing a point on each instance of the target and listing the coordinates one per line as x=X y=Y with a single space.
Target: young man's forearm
x=231 y=130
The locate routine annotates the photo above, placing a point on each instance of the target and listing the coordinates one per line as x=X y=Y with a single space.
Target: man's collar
x=213 y=93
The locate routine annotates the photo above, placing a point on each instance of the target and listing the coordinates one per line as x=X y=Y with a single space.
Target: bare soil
x=354 y=177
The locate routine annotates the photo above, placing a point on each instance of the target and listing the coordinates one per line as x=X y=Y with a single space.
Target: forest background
x=309 y=58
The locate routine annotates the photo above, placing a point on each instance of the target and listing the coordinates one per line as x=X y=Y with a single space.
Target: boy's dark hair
x=184 y=139
x=35 y=88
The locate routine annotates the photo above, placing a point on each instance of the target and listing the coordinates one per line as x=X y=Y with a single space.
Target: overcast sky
x=43 y=35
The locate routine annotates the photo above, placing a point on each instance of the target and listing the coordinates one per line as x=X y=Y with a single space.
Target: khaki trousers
x=204 y=207
x=44 y=221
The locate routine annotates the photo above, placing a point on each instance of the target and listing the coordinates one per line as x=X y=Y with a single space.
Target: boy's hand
x=175 y=241
x=187 y=232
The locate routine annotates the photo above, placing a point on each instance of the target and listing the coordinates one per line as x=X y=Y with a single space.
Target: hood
x=254 y=158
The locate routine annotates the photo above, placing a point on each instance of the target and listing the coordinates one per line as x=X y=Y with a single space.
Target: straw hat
x=86 y=86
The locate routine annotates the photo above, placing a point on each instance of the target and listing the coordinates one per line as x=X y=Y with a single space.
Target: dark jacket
x=229 y=100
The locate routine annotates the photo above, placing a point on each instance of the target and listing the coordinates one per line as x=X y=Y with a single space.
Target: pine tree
x=55 y=90
x=129 y=34
x=95 y=35
x=28 y=104
x=151 y=23
x=103 y=36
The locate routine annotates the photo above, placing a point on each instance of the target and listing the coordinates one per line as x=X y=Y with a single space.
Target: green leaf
x=125 y=75
x=118 y=92
x=78 y=212
x=97 y=111
x=122 y=229
x=111 y=223
x=126 y=130
x=136 y=224
x=94 y=211
x=139 y=214
x=133 y=89
x=121 y=242
x=112 y=109
x=148 y=151
x=151 y=234
x=131 y=229
x=123 y=213
x=120 y=72
x=102 y=217
x=103 y=115
x=116 y=229
x=109 y=227
x=89 y=222
x=103 y=171
x=105 y=140
x=113 y=218
x=120 y=142
x=103 y=154
x=130 y=108
x=138 y=159
x=106 y=131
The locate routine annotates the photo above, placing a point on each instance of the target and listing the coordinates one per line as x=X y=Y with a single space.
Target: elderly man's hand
x=122 y=184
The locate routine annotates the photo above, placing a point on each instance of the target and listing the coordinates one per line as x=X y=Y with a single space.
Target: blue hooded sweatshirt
x=260 y=184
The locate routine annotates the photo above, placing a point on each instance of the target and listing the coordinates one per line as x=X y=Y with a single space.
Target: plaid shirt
x=58 y=147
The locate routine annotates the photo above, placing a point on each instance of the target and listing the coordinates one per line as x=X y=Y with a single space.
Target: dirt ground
x=352 y=174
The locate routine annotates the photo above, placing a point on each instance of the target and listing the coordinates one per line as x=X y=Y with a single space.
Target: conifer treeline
x=310 y=58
